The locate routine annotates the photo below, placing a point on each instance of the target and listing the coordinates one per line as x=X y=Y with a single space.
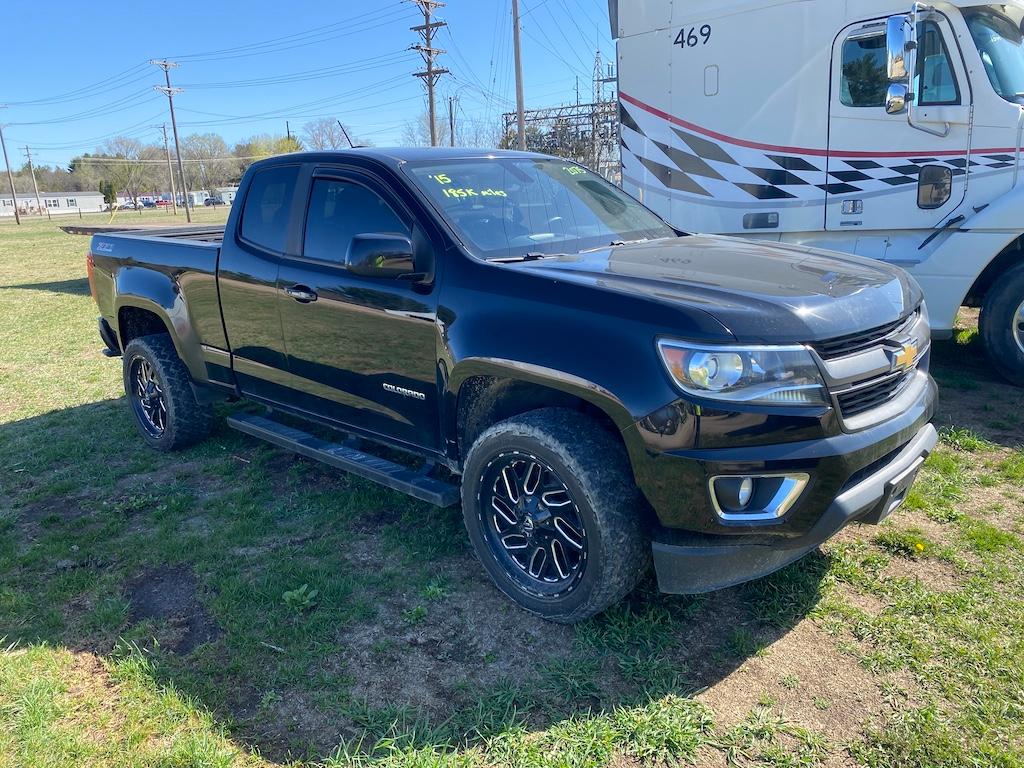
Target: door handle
x=302 y=294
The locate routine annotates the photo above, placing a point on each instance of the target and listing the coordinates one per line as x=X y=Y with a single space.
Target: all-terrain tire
x=185 y=420
x=997 y=325
x=595 y=471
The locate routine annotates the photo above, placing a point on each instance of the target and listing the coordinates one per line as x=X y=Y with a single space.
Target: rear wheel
x=1002 y=325
x=160 y=395
x=554 y=515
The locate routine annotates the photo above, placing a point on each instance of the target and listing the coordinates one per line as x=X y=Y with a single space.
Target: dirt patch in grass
x=936 y=575
x=810 y=682
x=169 y=597
x=434 y=656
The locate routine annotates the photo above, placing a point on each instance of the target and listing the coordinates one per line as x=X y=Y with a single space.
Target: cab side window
x=865 y=78
x=267 y=205
x=934 y=82
x=340 y=210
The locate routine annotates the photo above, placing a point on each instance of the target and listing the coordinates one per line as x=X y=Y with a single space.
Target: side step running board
x=341 y=456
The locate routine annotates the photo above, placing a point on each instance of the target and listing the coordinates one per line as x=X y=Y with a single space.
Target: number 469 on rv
x=692 y=37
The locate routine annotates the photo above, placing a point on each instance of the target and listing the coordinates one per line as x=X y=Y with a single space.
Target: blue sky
x=84 y=65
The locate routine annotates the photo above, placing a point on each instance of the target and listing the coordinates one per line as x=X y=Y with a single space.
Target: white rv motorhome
x=862 y=126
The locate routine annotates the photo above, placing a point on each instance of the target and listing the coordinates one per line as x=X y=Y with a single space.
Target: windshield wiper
x=528 y=257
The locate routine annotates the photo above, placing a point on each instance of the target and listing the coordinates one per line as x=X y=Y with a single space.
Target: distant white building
x=53 y=203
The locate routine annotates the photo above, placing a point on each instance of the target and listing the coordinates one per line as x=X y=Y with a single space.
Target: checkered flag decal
x=698 y=166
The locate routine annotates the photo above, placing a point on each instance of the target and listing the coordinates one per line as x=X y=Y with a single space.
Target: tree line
x=130 y=167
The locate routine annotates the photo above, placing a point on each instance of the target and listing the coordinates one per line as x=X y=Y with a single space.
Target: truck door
x=362 y=351
x=247 y=280
x=883 y=172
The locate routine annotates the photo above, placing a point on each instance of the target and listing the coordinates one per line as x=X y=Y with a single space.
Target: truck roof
x=395 y=156
x=630 y=17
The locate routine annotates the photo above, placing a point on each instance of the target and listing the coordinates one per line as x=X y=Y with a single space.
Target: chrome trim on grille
x=864 y=382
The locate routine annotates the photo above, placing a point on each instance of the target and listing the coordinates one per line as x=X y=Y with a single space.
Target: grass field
x=236 y=606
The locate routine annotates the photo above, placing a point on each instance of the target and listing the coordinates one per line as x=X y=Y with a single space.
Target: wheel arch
x=1009 y=257
x=485 y=392
x=147 y=301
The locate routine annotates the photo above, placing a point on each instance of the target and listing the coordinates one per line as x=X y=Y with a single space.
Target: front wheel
x=1002 y=325
x=554 y=515
x=160 y=395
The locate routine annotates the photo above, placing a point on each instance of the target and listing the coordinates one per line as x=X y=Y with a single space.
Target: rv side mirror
x=897 y=41
x=379 y=255
x=896 y=99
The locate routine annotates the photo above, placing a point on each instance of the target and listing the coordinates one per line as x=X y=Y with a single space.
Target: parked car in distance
x=163 y=203
x=148 y=204
x=211 y=201
x=598 y=389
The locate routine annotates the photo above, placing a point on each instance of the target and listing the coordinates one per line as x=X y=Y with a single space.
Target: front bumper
x=697 y=563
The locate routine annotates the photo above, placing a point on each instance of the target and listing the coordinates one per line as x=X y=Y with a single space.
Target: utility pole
x=453 y=104
x=170 y=171
x=431 y=74
x=520 y=103
x=288 y=130
x=170 y=93
x=10 y=176
x=35 y=187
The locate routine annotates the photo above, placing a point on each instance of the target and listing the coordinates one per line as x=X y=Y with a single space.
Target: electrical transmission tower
x=431 y=74
x=586 y=133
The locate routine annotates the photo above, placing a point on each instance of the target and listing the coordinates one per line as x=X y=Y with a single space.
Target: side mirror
x=896 y=99
x=377 y=255
x=896 y=42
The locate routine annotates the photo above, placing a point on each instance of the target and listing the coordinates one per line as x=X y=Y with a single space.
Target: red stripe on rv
x=801 y=150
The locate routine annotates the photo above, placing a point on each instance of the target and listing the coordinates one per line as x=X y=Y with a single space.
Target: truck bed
x=201 y=232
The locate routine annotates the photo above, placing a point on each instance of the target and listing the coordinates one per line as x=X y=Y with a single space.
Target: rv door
x=884 y=171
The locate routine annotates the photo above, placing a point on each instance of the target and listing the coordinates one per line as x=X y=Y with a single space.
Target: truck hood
x=761 y=293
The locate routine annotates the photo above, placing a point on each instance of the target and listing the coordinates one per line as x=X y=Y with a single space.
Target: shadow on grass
x=972 y=395
x=306 y=608
x=77 y=287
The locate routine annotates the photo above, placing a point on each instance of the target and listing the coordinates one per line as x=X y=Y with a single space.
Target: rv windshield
x=1001 y=45
x=509 y=207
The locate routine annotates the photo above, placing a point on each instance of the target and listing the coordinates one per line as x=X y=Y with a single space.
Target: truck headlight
x=786 y=376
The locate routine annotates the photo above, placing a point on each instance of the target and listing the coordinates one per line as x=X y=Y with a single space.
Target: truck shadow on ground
x=198 y=561
x=306 y=608
x=76 y=287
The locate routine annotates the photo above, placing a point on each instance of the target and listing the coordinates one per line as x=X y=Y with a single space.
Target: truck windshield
x=510 y=207
x=1001 y=45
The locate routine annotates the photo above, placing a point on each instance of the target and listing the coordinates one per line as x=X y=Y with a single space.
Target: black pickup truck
x=609 y=390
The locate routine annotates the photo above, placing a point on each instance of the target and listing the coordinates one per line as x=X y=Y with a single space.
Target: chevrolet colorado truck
x=598 y=389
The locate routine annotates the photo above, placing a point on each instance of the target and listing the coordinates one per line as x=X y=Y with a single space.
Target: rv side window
x=865 y=80
x=934 y=82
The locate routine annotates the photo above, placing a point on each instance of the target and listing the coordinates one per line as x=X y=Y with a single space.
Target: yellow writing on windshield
x=463 y=192
x=575 y=170
x=441 y=178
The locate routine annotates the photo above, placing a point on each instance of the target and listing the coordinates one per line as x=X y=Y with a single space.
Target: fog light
x=755 y=498
x=734 y=493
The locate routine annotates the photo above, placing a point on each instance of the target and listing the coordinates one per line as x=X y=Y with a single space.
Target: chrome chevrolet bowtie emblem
x=905 y=358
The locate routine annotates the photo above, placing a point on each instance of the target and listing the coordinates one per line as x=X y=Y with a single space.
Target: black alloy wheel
x=147 y=397
x=533 y=524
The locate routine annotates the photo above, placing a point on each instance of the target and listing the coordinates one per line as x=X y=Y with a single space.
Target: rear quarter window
x=267 y=207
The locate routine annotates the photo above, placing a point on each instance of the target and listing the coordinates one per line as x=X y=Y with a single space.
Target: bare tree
x=416 y=133
x=209 y=163
x=324 y=133
x=124 y=168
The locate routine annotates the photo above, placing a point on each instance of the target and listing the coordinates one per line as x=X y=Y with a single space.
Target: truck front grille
x=842 y=346
x=861 y=400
